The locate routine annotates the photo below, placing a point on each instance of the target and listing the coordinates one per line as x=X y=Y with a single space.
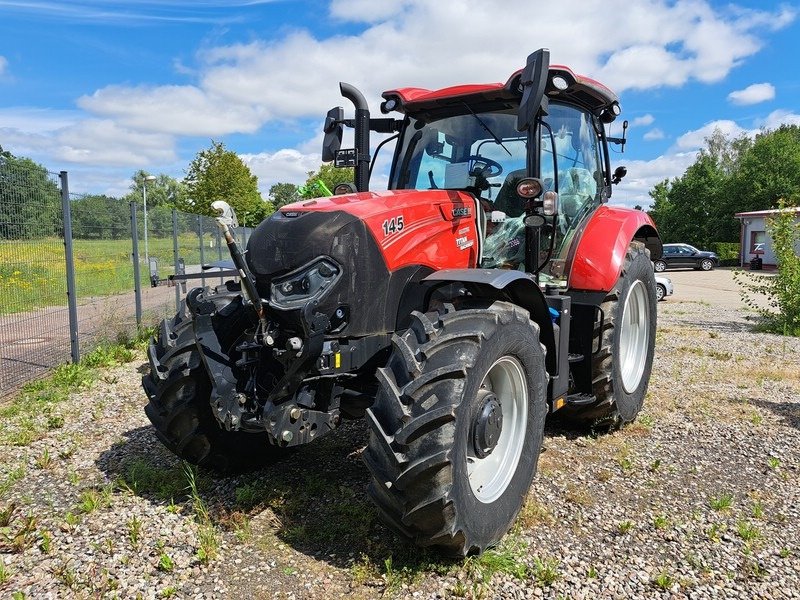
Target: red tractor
x=489 y=286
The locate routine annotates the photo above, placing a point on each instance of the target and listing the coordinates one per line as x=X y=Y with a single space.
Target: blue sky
x=102 y=88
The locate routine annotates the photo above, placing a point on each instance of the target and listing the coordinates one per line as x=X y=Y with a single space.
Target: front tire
x=661 y=291
x=706 y=264
x=621 y=370
x=660 y=266
x=179 y=390
x=457 y=426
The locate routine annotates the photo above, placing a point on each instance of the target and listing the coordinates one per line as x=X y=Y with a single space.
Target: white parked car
x=663 y=287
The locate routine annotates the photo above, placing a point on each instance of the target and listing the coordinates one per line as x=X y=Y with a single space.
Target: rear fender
x=598 y=257
x=512 y=286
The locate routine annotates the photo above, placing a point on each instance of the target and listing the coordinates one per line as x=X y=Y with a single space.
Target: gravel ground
x=699 y=498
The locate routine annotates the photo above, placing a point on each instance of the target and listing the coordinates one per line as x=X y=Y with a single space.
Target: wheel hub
x=488 y=424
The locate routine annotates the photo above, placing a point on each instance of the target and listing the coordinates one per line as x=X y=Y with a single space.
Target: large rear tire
x=179 y=391
x=457 y=426
x=621 y=370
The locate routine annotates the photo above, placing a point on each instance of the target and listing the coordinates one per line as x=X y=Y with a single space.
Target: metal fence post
x=200 y=225
x=137 y=279
x=72 y=297
x=175 y=257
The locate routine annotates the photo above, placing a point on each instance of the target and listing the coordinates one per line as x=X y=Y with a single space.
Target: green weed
x=663 y=581
x=722 y=502
x=165 y=562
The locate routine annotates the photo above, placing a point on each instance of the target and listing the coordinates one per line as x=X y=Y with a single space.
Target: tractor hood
x=374 y=243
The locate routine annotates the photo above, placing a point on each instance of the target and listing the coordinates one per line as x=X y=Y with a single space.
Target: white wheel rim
x=634 y=334
x=489 y=477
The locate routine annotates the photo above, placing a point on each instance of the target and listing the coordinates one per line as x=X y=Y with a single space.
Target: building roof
x=767 y=213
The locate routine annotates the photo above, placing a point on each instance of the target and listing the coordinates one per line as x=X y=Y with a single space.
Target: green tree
x=30 y=199
x=219 y=174
x=330 y=176
x=728 y=176
x=281 y=194
x=100 y=217
x=682 y=207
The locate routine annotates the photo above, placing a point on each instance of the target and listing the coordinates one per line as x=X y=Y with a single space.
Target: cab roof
x=579 y=89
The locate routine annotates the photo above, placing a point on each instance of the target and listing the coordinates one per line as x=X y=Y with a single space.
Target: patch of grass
x=6 y=514
x=506 y=558
x=591 y=572
x=784 y=552
x=534 y=513
x=624 y=527
x=757 y=509
x=44 y=460
x=207 y=534
x=545 y=570
x=660 y=521
x=578 y=494
x=663 y=581
x=134 y=526
x=773 y=463
x=33 y=412
x=747 y=531
x=4 y=574
x=722 y=502
x=45 y=541
x=93 y=498
x=714 y=531
x=165 y=562
x=364 y=571
x=168 y=592
x=144 y=478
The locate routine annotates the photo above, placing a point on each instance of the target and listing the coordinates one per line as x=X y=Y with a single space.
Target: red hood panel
x=434 y=228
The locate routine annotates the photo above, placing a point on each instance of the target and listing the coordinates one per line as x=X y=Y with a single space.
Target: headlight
x=309 y=282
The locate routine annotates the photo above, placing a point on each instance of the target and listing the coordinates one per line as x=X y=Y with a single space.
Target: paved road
x=716 y=287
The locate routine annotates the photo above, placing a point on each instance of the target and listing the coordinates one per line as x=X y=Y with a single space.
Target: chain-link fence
x=78 y=270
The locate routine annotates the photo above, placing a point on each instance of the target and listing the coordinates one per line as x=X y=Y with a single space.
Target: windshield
x=484 y=154
x=459 y=152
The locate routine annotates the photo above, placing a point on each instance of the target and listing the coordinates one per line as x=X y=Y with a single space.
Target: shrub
x=728 y=253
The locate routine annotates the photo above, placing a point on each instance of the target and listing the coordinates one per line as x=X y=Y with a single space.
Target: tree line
x=729 y=176
x=30 y=197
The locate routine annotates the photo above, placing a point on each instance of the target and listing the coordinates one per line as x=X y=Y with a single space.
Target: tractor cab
x=538 y=177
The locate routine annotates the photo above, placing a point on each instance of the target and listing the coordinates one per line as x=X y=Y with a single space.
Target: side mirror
x=619 y=173
x=333 y=133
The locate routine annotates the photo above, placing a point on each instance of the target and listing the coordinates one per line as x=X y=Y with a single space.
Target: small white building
x=755 y=240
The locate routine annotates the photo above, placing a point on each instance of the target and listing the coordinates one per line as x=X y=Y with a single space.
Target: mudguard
x=597 y=259
x=517 y=287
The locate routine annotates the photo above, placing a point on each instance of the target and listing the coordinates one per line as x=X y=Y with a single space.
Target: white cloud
x=643 y=175
x=643 y=121
x=3 y=65
x=653 y=134
x=283 y=166
x=753 y=94
x=55 y=137
x=241 y=87
x=180 y=110
x=695 y=139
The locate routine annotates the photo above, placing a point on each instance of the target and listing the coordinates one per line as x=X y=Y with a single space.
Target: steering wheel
x=486 y=167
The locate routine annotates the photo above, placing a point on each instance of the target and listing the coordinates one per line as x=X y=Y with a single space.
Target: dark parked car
x=684 y=256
